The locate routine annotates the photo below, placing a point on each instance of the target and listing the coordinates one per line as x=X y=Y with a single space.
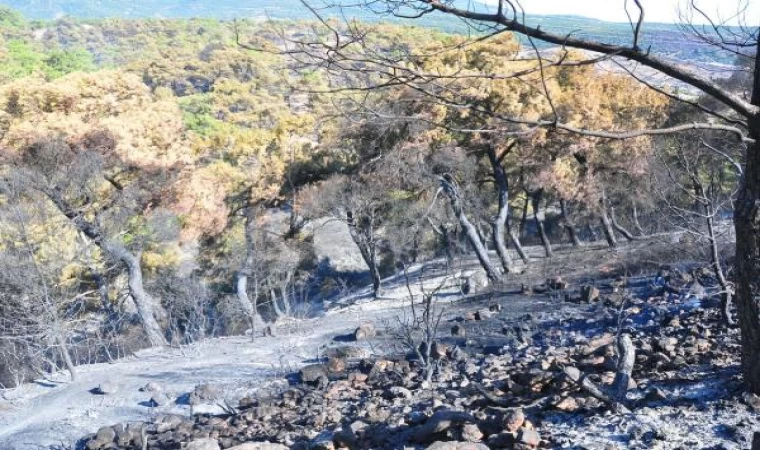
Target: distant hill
x=664 y=39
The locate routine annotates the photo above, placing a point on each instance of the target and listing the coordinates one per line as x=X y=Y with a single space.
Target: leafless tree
x=697 y=186
x=34 y=302
x=68 y=176
x=419 y=323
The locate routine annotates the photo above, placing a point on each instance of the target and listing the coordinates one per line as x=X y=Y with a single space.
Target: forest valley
x=165 y=181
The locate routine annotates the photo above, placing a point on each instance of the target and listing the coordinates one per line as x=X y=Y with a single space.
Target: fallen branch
x=626 y=358
x=580 y=379
x=498 y=401
x=503 y=404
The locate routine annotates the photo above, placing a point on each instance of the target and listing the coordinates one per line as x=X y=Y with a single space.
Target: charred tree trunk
x=450 y=189
x=712 y=238
x=538 y=216
x=524 y=216
x=747 y=223
x=609 y=233
x=501 y=221
x=636 y=221
x=592 y=232
x=148 y=309
x=286 y=293
x=518 y=245
x=619 y=228
x=726 y=294
x=278 y=312
x=362 y=232
x=65 y=355
x=626 y=356
x=567 y=222
x=246 y=270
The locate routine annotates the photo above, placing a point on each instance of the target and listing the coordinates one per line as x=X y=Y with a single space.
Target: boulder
x=335 y=250
x=106 y=388
x=556 y=283
x=314 y=374
x=324 y=441
x=130 y=434
x=203 y=444
x=207 y=409
x=475 y=283
x=471 y=433
x=203 y=394
x=589 y=293
x=365 y=331
x=567 y=404
x=168 y=422
x=528 y=438
x=514 y=419
x=400 y=392
x=336 y=365
x=103 y=439
x=152 y=386
x=451 y=445
x=259 y=446
x=655 y=394
x=438 y=350
x=159 y=399
x=753 y=401
x=346 y=352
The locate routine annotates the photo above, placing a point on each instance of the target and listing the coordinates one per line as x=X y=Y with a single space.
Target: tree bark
x=246 y=270
x=636 y=220
x=626 y=355
x=451 y=190
x=501 y=221
x=619 y=228
x=538 y=216
x=609 y=233
x=709 y=214
x=592 y=232
x=524 y=216
x=363 y=235
x=727 y=290
x=747 y=224
x=285 y=294
x=149 y=310
x=518 y=245
x=580 y=379
x=64 y=348
x=482 y=233
x=567 y=222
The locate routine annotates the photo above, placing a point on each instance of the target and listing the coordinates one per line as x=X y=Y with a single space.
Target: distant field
x=664 y=39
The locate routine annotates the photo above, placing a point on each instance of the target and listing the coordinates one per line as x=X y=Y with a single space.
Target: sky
x=655 y=10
